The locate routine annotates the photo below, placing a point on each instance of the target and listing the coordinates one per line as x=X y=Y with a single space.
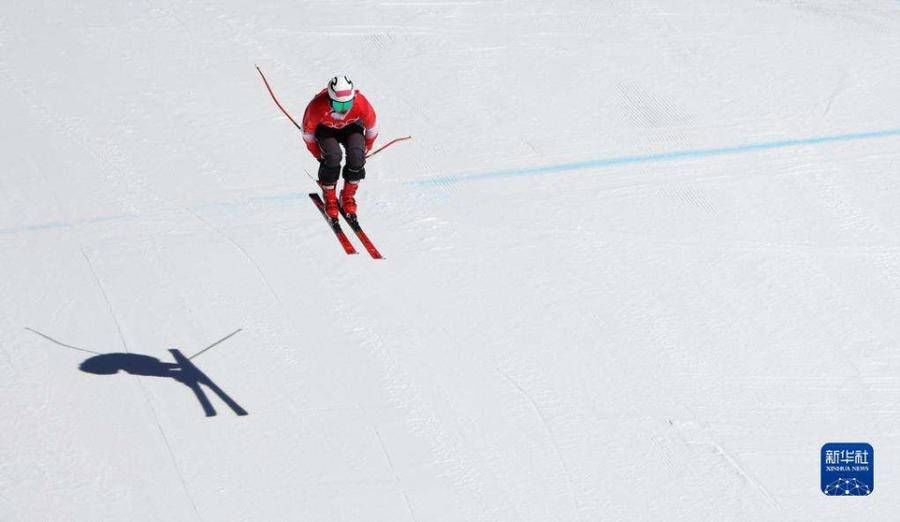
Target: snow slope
x=643 y=260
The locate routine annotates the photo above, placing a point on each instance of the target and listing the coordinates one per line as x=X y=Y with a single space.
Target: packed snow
x=642 y=261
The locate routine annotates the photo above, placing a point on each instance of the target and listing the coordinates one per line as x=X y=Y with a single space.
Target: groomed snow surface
x=643 y=260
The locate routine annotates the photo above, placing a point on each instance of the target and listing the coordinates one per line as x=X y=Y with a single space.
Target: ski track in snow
x=148 y=402
x=550 y=436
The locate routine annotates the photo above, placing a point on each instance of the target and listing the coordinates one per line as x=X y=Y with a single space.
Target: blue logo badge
x=848 y=469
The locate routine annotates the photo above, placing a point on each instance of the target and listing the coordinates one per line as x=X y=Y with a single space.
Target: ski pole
x=263 y=76
x=386 y=145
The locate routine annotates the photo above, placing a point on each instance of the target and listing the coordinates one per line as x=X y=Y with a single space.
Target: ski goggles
x=338 y=106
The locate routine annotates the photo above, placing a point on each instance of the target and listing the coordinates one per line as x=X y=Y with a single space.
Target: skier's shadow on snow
x=182 y=370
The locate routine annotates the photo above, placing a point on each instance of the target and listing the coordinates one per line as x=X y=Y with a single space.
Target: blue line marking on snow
x=34 y=227
x=654 y=158
x=62 y=225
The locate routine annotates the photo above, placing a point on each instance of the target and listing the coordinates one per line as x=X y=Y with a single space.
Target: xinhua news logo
x=848 y=469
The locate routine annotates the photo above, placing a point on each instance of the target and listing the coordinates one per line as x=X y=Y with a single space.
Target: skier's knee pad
x=332 y=158
x=354 y=174
x=329 y=174
x=356 y=157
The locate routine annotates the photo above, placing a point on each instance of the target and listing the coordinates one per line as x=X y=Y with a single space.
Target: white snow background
x=643 y=260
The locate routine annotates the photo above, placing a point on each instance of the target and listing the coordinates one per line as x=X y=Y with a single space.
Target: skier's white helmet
x=340 y=89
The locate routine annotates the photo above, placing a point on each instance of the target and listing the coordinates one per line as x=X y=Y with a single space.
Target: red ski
x=334 y=224
x=354 y=224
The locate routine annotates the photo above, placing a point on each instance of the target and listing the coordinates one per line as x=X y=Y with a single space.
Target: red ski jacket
x=319 y=112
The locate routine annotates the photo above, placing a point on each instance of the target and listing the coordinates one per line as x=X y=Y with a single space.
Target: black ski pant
x=330 y=141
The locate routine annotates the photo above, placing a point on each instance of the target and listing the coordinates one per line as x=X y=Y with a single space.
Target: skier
x=339 y=115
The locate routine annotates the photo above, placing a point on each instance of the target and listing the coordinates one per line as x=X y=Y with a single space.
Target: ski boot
x=348 y=203
x=329 y=194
